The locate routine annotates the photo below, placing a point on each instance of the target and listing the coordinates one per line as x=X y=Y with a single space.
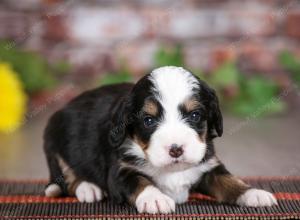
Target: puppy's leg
x=85 y=191
x=57 y=185
x=143 y=194
x=64 y=181
x=220 y=184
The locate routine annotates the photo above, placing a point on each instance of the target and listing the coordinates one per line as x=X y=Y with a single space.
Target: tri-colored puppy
x=149 y=144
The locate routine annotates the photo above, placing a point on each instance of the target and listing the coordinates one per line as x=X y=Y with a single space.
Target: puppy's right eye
x=149 y=121
x=195 y=116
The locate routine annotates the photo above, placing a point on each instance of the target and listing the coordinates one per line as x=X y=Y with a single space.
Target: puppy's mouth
x=178 y=165
x=178 y=161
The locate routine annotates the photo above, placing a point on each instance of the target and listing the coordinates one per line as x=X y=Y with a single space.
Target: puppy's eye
x=149 y=121
x=195 y=116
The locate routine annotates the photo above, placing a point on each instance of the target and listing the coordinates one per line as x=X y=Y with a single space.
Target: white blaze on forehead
x=172 y=87
x=174 y=84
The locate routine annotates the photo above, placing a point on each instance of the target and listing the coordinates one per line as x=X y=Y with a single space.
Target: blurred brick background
x=95 y=34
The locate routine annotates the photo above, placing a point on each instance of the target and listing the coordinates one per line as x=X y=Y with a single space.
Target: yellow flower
x=12 y=99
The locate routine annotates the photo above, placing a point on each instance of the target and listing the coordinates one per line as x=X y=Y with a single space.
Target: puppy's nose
x=175 y=151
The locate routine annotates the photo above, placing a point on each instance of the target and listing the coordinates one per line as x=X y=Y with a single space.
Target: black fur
x=79 y=135
x=213 y=112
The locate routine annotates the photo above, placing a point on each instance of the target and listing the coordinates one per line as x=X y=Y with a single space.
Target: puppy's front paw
x=152 y=200
x=88 y=192
x=256 y=198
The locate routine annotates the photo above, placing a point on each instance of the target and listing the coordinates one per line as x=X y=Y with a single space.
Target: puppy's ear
x=215 y=119
x=120 y=120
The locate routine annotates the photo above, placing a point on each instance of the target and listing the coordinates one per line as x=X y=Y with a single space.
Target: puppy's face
x=170 y=133
x=171 y=117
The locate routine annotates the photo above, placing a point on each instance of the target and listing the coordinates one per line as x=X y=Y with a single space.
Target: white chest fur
x=177 y=184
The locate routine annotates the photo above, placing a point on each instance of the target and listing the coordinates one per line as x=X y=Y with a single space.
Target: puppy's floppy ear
x=215 y=119
x=120 y=119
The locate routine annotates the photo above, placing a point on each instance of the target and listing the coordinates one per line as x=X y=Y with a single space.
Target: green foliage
x=61 y=67
x=226 y=75
x=257 y=96
x=169 y=56
x=291 y=64
x=34 y=71
x=121 y=76
x=245 y=95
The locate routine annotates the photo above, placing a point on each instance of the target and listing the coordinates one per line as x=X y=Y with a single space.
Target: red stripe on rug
x=290 y=215
x=279 y=195
x=44 y=199
x=287 y=196
x=36 y=199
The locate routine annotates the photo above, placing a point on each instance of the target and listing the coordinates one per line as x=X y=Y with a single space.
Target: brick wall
x=95 y=34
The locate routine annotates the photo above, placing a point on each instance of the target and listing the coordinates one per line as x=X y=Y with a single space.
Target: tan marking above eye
x=150 y=108
x=191 y=104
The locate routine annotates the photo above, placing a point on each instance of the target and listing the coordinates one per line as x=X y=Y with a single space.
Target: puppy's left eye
x=195 y=116
x=149 y=121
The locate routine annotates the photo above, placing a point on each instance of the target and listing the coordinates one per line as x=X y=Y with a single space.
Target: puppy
x=149 y=144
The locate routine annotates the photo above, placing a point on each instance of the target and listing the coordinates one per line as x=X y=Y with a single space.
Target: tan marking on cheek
x=191 y=104
x=143 y=145
x=150 y=108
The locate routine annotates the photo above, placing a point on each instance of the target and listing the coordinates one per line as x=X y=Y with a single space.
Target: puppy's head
x=170 y=115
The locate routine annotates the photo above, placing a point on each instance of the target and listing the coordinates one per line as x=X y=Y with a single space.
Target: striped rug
x=25 y=200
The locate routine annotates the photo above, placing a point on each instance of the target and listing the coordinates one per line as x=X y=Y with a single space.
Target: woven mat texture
x=25 y=200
